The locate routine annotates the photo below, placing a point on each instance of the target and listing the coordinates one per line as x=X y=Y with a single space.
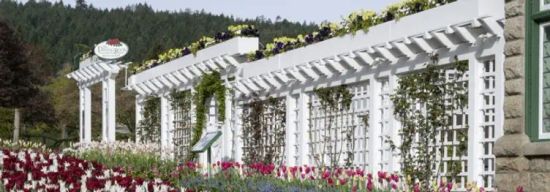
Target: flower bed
x=137 y=160
x=27 y=170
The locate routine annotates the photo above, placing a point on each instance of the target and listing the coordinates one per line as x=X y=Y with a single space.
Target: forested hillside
x=62 y=30
x=55 y=34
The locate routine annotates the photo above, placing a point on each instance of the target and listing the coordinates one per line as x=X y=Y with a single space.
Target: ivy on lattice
x=210 y=86
x=335 y=103
x=181 y=103
x=264 y=123
x=426 y=103
x=149 y=129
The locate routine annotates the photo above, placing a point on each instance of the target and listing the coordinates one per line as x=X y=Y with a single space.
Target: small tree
x=17 y=82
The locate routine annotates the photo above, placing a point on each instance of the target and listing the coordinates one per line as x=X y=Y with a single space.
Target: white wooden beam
x=336 y=66
x=158 y=84
x=260 y=82
x=196 y=71
x=309 y=71
x=365 y=57
x=423 y=44
x=443 y=39
x=202 y=67
x=465 y=34
x=231 y=60
x=449 y=30
x=322 y=67
x=404 y=49
x=271 y=80
x=186 y=73
x=386 y=53
x=282 y=76
x=180 y=77
x=492 y=26
x=297 y=75
x=154 y=88
x=349 y=60
x=221 y=62
x=210 y=64
x=173 y=80
x=251 y=85
x=241 y=88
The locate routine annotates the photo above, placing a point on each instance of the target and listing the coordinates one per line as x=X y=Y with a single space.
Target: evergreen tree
x=17 y=82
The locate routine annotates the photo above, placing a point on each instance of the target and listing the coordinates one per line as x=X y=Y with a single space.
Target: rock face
x=520 y=162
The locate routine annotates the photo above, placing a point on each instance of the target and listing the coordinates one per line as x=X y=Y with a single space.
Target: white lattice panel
x=319 y=136
x=184 y=122
x=488 y=123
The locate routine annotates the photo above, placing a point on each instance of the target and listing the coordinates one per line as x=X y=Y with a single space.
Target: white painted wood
x=406 y=44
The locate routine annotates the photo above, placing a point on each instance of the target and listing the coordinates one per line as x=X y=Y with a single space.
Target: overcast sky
x=294 y=10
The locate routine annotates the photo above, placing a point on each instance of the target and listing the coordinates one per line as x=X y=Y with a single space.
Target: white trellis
x=370 y=64
x=91 y=71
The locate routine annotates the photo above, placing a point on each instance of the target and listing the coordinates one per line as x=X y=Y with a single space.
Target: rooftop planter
x=383 y=35
x=188 y=67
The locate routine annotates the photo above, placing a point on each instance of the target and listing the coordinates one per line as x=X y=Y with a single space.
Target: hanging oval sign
x=111 y=49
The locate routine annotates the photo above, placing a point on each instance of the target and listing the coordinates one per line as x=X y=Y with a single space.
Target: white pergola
x=91 y=71
x=181 y=74
x=472 y=30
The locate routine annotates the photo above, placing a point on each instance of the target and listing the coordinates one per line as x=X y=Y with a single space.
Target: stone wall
x=519 y=161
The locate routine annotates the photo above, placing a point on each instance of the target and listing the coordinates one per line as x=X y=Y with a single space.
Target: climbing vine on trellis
x=210 y=86
x=426 y=104
x=149 y=130
x=264 y=130
x=335 y=104
x=181 y=103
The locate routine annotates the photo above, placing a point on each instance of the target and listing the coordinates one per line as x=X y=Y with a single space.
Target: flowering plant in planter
x=360 y=20
x=32 y=171
x=232 y=31
x=283 y=44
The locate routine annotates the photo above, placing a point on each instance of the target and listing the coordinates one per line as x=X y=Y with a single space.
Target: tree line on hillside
x=48 y=38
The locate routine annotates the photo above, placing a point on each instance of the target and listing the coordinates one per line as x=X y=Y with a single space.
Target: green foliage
x=210 y=85
x=421 y=105
x=61 y=30
x=335 y=98
x=149 y=130
x=335 y=103
x=264 y=123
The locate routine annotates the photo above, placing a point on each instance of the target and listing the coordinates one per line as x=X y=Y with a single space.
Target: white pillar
x=290 y=136
x=303 y=122
x=395 y=126
x=237 y=132
x=164 y=122
x=475 y=148
x=227 y=135
x=109 y=110
x=139 y=116
x=374 y=126
x=85 y=115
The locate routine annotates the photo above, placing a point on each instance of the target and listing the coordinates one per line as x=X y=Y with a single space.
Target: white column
x=85 y=115
x=290 y=136
x=164 y=119
x=303 y=122
x=394 y=164
x=139 y=116
x=475 y=148
x=109 y=110
x=237 y=133
x=374 y=126
x=227 y=134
